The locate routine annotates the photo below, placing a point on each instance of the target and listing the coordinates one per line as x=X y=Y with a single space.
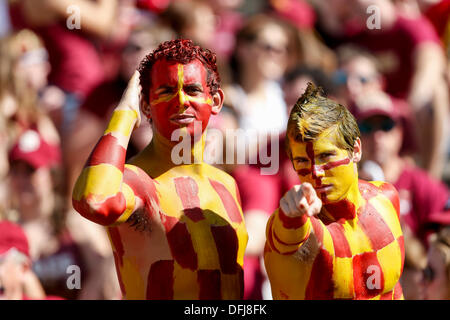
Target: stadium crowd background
x=65 y=63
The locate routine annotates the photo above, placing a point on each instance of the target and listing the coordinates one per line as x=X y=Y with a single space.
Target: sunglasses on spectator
x=368 y=127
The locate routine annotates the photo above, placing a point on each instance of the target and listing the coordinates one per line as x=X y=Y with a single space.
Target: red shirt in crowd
x=424 y=202
x=395 y=47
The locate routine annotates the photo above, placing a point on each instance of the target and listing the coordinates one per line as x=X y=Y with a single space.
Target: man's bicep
x=139 y=190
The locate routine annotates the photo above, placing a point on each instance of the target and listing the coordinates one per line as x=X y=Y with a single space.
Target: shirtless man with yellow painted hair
x=334 y=236
x=177 y=230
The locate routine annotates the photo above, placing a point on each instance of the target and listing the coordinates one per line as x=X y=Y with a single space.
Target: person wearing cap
x=31 y=159
x=333 y=236
x=16 y=277
x=424 y=201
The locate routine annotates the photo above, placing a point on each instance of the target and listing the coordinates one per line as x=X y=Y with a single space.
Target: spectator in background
x=33 y=204
x=23 y=79
x=411 y=58
x=296 y=80
x=259 y=61
x=229 y=21
x=76 y=66
x=191 y=19
x=361 y=85
x=17 y=281
x=311 y=50
x=423 y=200
x=437 y=275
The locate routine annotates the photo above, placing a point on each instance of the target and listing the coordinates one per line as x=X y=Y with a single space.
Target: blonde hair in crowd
x=13 y=48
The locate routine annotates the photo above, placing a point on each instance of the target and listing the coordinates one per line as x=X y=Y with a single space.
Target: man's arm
x=107 y=191
x=290 y=225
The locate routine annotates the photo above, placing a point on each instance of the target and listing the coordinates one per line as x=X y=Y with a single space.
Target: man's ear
x=357 y=151
x=145 y=108
x=217 y=101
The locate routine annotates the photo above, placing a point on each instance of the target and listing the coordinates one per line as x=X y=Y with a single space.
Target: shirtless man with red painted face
x=177 y=231
x=334 y=236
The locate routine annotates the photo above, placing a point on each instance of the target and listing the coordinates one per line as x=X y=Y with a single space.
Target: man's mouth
x=183 y=118
x=324 y=188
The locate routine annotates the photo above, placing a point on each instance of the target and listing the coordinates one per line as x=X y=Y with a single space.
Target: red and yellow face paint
x=327 y=167
x=179 y=96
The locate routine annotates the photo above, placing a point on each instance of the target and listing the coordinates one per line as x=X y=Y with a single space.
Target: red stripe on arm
x=143 y=187
x=269 y=236
x=160 y=280
x=106 y=213
x=108 y=151
x=228 y=201
x=292 y=222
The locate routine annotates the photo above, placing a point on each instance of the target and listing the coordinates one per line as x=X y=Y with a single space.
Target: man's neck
x=347 y=207
x=162 y=155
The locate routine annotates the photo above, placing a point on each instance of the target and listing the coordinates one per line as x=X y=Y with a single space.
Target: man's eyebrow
x=300 y=158
x=165 y=86
x=195 y=84
x=332 y=151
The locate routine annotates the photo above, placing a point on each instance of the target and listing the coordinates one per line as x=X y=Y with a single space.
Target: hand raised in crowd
x=301 y=199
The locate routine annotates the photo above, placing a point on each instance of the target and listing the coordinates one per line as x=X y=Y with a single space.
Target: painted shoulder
x=369 y=189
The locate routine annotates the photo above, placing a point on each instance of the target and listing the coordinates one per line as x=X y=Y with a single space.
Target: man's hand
x=131 y=97
x=301 y=199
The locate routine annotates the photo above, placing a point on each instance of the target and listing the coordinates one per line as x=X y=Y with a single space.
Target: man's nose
x=183 y=100
x=317 y=171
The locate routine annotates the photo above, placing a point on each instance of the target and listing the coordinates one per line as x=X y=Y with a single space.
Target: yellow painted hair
x=313 y=114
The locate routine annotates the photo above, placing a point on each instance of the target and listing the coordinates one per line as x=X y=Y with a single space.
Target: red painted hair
x=182 y=51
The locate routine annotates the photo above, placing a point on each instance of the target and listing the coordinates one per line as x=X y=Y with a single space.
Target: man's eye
x=193 y=90
x=325 y=155
x=301 y=161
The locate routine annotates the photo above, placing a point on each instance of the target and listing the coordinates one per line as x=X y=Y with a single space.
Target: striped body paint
x=359 y=258
x=352 y=250
x=177 y=232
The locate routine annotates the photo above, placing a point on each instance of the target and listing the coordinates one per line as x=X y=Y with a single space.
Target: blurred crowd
x=65 y=63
